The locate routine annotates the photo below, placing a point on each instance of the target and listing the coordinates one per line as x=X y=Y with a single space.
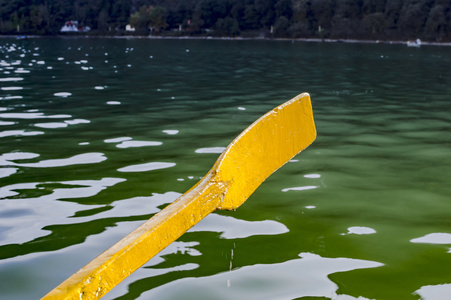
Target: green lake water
x=97 y=135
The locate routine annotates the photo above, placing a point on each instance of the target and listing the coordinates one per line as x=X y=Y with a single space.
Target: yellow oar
x=256 y=153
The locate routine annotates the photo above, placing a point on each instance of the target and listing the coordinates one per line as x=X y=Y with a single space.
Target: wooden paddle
x=256 y=153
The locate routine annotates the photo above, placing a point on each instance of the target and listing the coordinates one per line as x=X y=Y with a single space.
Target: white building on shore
x=73 y=26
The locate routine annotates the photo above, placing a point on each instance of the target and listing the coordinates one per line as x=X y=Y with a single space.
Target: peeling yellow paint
x=255 y=154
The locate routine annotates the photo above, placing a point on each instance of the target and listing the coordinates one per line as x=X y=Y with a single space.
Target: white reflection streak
x=21 y=71
x=134 y=206
x=16 y=155
x=300 y=188
x=2 y=123
x=134 y=144
x=171 y=131
x=5 y=172
x=11 y=88
x=19 y=133
x=12 y=97
x=88 y=188
x=128 y=142
x=51 y=125
x=173 y=248
x=147 y=167
x=44 y=210
x=118 y=140
x=439 y=238
x=360 y=230
x=304 y=277
x=9 y=79
x=85 y=158
x=312 y=176
x=32 y=116
x=62 y=124
x=217 y=150
x=62 y=94
x=232 y=228
x=185 y=267
x=77 y=121
x=434 y=292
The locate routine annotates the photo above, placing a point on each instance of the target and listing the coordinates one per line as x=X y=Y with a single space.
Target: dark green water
x=99 y=134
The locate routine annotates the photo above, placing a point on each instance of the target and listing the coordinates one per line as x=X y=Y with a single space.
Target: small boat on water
x=416 y=43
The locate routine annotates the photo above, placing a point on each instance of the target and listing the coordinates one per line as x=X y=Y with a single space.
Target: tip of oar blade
x=264 y=147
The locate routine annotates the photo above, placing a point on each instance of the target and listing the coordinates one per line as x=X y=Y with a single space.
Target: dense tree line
x=360 y=19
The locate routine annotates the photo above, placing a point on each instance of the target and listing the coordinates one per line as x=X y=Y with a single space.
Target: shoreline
x=316 y=40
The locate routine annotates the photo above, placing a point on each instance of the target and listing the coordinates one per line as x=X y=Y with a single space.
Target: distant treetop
x=336 y=19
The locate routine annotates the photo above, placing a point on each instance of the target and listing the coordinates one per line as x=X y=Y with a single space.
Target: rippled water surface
x=97 y=135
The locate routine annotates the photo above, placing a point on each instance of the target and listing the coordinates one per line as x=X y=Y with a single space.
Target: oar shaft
x=114 y=265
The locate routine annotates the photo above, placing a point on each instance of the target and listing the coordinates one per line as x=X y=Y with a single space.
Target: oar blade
x=264 y=147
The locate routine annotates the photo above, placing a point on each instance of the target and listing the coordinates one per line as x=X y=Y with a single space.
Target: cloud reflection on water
x=434 y=238
x=5 y=172
x=217 y=150
x=44 y=210
x=300 y=188
x=306 y=276
x=31 y=115
x=147 y=167
x=434 y=292
x=19 y=133
x=85 y=158
x=128 y=142
x=232 y=228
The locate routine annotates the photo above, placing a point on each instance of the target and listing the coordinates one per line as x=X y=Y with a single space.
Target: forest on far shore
x=428 y=20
